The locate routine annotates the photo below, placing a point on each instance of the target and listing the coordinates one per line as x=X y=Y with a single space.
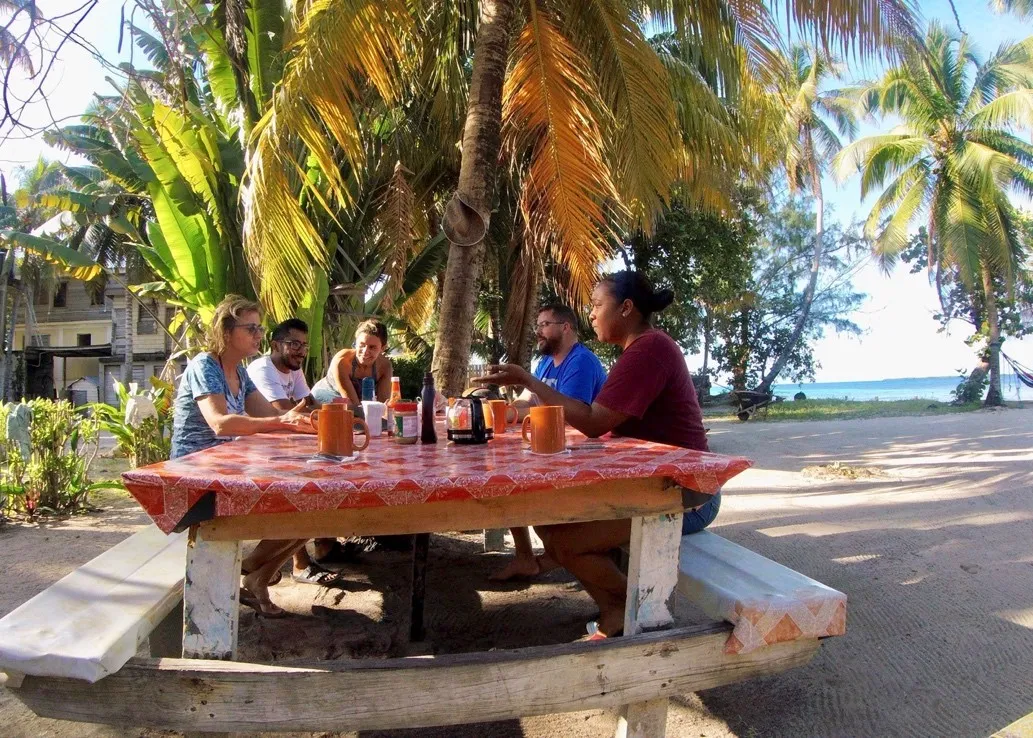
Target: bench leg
x=652 y=577
x=166 y=640
x=211 y=597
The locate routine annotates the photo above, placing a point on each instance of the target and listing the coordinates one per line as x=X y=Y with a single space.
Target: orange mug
x=547 y=430
x=500 y=410
x=335 y=424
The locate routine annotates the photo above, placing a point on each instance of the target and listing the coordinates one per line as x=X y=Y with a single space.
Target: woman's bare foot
x=255 y=594
x=523 y=567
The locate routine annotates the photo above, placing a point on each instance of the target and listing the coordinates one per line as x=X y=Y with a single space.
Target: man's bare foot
x=611 y=624
x=523 y=567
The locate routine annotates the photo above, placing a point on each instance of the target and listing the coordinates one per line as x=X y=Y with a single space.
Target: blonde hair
x=373 y=327
x=227 y=315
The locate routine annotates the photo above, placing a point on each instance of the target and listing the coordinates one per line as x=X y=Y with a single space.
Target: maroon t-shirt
x=651 y=383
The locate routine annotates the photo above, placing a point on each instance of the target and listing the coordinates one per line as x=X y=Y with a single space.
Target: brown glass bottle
x=428 y=433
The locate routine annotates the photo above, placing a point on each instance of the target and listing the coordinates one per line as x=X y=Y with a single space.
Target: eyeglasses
x=546 y=323
x=297 y=347
x=253 y=328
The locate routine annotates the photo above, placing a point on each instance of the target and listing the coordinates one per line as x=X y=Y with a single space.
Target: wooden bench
x=766 y=602
x=386 y=694
x=90 y=623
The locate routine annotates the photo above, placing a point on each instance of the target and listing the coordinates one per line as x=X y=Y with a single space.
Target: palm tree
x=810 y=145
x=568 y=93
x=952 y=163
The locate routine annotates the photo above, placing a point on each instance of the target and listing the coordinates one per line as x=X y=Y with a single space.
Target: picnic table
x=271 y=486
x=71 y=652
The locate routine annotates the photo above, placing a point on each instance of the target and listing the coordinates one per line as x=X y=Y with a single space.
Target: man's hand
x=510 y=375
x=297 y=420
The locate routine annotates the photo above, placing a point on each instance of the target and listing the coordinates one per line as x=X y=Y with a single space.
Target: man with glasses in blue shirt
x=569 y=367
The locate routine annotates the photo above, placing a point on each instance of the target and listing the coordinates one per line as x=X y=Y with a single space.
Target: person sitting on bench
x=648 y=395
x=217 y=401
x=570 y=368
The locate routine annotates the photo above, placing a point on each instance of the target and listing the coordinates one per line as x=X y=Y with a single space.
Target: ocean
x=927 y=388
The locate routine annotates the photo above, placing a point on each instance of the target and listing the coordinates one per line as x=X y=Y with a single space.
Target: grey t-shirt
x=203 y=377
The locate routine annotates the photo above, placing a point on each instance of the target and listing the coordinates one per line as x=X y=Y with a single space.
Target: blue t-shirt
x=580 y=375
x=203 y=377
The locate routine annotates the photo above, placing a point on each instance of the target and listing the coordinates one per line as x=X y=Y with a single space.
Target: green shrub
x=53 y=477
x=150 y=440
x=410 y=371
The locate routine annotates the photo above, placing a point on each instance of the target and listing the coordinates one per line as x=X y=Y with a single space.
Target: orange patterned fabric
x=276 y=473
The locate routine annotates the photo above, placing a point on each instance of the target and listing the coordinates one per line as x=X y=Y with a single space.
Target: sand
x=935 y=552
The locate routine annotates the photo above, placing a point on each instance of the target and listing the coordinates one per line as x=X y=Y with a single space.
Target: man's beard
x=547 y=347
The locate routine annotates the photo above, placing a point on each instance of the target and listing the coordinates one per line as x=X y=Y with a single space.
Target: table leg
x=652 y=577
x=420 y=549
x=211 y=597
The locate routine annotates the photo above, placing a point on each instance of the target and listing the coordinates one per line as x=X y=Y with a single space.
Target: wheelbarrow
x=747 y=402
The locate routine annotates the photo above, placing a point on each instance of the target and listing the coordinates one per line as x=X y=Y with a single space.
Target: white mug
x=374 y=412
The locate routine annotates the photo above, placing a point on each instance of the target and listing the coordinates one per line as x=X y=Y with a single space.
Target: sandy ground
x=935 y=554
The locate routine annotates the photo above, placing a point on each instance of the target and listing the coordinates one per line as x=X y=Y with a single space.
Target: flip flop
x=594 y=634
x=277 y=577
x=262 y=608
x=316 y=574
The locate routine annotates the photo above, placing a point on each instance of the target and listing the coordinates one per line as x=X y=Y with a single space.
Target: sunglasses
x=253 y=328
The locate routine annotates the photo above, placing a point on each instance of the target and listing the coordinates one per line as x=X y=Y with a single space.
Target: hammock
x=1024 y=374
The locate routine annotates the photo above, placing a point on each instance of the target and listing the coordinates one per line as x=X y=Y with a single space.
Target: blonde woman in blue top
x=216 y=402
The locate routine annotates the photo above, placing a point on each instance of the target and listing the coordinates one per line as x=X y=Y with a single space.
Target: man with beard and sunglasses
x=569 y=367
x=279 y=377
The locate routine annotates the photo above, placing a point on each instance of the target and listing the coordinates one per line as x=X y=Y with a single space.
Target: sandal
x=594 y=634
x=316 y=574
x=277 y=577
x=263 y=608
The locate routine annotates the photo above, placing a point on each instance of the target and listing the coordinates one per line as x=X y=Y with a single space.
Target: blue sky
x=901 y=338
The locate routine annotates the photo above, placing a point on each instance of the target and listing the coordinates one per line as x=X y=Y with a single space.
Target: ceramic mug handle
x=516 y=415
x=313 y=419
x=365 y=431
x=524 y=428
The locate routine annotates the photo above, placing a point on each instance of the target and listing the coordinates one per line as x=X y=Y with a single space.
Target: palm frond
x=634 y=84
x=549 y=101
x=340 y=48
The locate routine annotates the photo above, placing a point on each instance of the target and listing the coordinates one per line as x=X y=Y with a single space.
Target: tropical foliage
x=587 y=113
x=142 y=422
x=952 y=164
x=45 y=470
x=758 y=326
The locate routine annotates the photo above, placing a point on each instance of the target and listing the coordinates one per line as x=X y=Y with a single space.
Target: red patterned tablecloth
x=274 y=473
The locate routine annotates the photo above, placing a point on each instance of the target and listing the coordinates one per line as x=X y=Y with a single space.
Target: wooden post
x=652 y=577
x=211 y=597
x=420 y=550
x=494 y=539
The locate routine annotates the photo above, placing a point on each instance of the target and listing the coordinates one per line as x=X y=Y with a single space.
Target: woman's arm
x=339 y=372
x=384 y=382
x=593 y=420
x=213 y=408
x=257 y=406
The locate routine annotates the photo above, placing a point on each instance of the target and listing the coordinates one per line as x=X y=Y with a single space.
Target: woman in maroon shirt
x=649 y=395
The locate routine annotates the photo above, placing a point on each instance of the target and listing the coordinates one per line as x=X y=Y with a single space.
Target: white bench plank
x=91 y=622
x=765 y=601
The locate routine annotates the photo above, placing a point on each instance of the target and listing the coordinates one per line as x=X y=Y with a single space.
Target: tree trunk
x=482 y=141
x=993 y=393
x=812 y=283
